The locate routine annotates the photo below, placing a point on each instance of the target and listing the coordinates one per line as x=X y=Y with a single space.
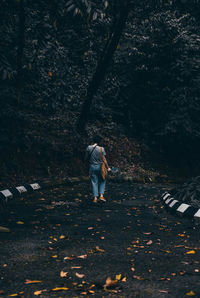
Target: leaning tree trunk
x=103 y=64
x=20 y=50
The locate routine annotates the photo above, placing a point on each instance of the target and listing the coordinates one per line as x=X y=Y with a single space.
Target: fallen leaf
x=147 y=233
x=79 y=275
x=191 y=293
x=82 y=257
x=133 y=269
x=190 y=252
x=60 y=289
x=118 y=276
x=99 y=249
x=63 y=274
x=28 y=281
x=4 y=229
x=62 y=237
x=55 y=256
x=13 y=295
x=149 y=242
x=110 y=282
x=124 y=279
x=37 y=293
x=138 y=277
x=20 y=222
x=50 y=74
x=163 y=291
x=76 y=267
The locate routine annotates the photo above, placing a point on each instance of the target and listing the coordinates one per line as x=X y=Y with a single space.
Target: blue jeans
x=98 y=184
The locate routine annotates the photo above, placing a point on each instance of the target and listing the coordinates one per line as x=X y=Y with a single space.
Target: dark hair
x=97 y=139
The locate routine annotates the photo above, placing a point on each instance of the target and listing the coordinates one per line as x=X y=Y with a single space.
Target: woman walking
x=95 y=154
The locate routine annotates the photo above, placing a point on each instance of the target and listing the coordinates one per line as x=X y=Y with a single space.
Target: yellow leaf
x=124 y=279
x=63 y=274
x=60 y=289
x=55 y=256
x=118 y=276
x=191 y=293
x=37 y=293
x=20 y=222
x=190 y=252
x=62 y=237
x=28 y=281
x=13 y=295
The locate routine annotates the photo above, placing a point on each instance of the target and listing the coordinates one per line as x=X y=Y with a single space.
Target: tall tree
x=20 y=50
x=102 y=66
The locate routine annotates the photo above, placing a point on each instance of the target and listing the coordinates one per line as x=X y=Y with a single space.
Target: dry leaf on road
x=28 y=281
x=79 y=275
x=63 y=274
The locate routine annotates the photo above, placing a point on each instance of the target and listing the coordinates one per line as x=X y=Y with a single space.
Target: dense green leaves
x=151 y=86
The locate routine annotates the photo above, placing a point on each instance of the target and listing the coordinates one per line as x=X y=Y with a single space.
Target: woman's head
x=97 y=139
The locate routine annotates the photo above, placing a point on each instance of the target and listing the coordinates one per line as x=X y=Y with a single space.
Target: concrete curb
x=14 y=192
x=180 y=208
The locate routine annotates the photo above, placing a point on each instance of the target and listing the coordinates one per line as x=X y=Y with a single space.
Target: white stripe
x=197 y=214
x=166 y=196
x=21 y=189
x=7 y=193
x=35 y=186
x=183 y=207
x=173 y=203
x=168 y=200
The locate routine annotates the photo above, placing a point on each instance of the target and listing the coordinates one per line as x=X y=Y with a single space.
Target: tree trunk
x=103 y=64
x=20 y=50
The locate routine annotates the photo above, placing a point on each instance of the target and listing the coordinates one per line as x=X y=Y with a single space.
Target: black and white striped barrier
x=17 y=191
x=180 y=208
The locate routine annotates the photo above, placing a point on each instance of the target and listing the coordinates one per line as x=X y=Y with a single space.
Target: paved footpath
x=62 y=245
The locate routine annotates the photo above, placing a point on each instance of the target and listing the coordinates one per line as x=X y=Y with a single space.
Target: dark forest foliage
x=49 y=53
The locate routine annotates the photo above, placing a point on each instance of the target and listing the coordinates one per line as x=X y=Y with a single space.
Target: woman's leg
x=102 y=187
x=94 y=182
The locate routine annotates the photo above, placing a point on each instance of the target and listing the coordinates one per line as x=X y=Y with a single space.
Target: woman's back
x=94 y=154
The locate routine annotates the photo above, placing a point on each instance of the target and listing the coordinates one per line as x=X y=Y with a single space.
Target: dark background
x=135 y=65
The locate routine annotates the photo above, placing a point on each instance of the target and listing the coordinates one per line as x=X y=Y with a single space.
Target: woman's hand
x=109 y=169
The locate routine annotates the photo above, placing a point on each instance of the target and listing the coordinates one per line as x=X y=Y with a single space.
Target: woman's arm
x=105 y=161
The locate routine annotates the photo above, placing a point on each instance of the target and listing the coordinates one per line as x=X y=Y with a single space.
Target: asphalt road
x=62 y=245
